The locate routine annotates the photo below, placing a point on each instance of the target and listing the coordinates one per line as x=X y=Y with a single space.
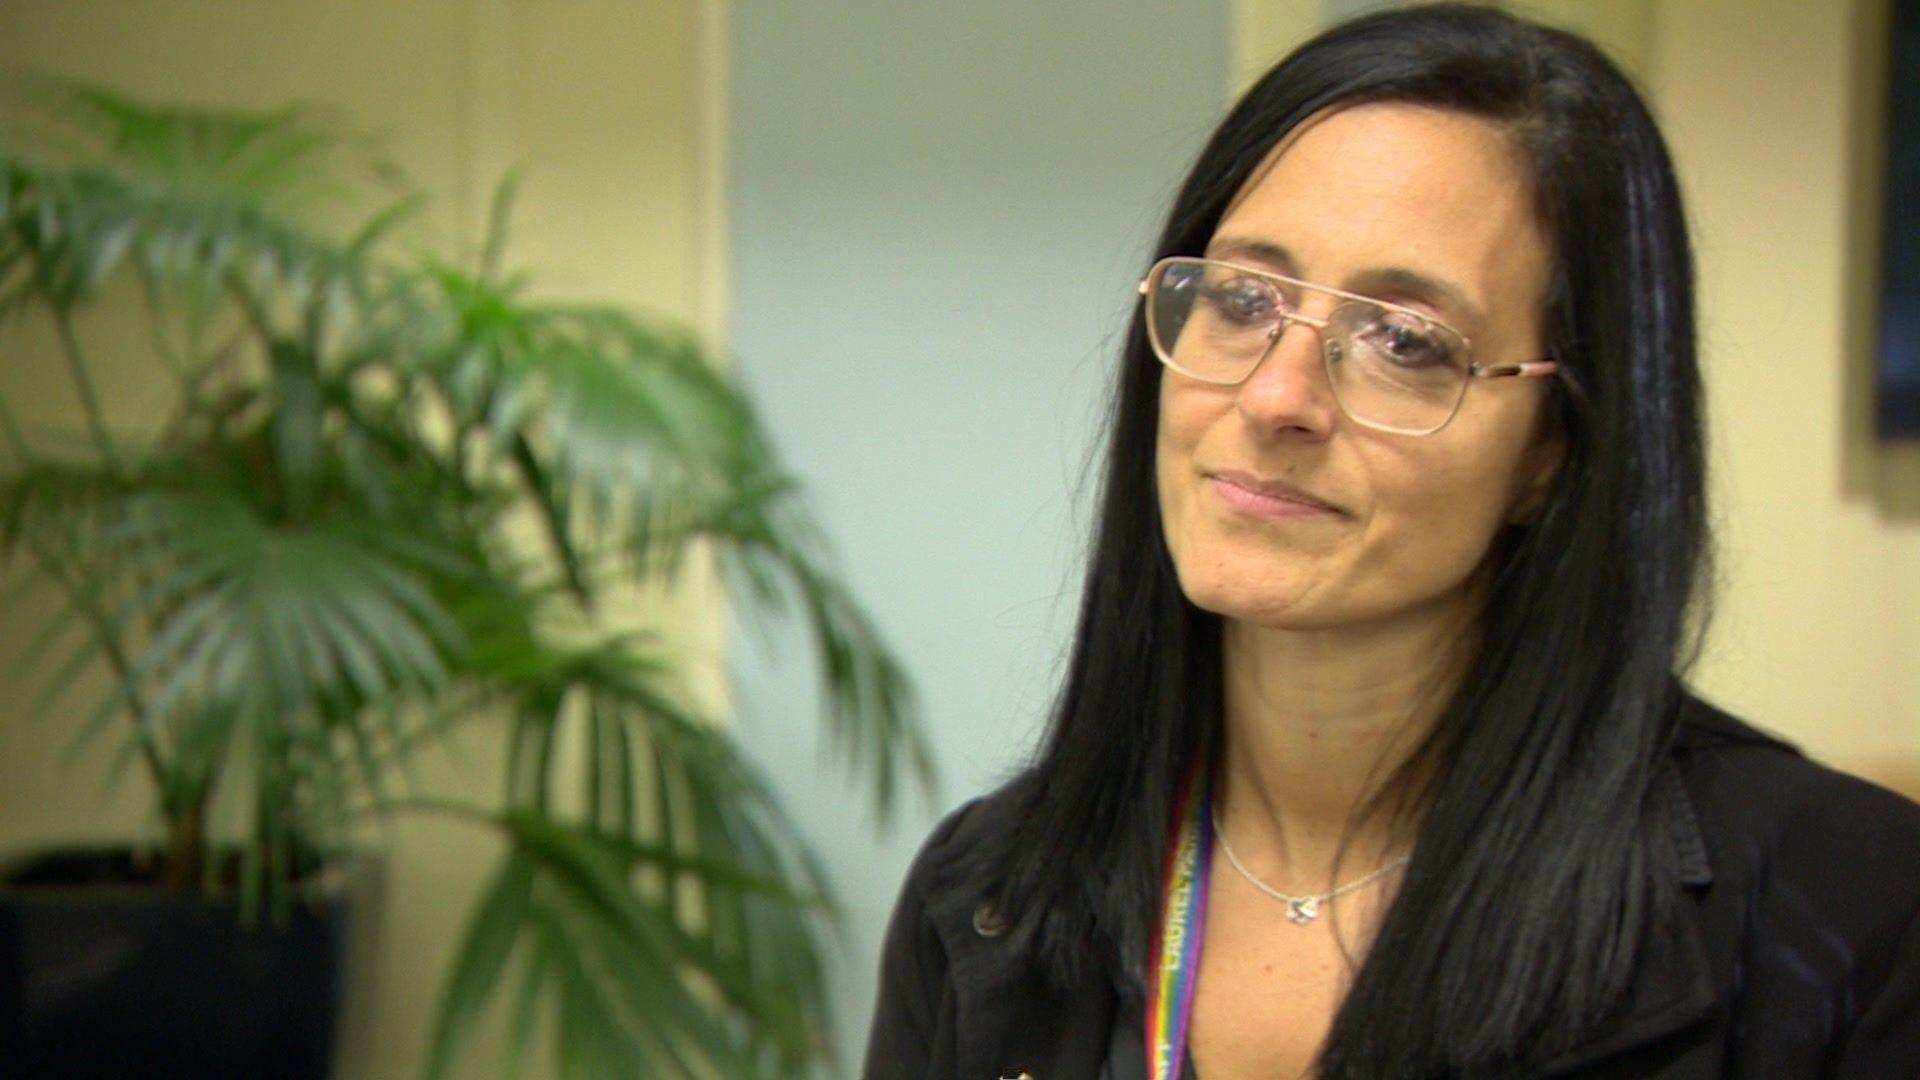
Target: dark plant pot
x=102 y=977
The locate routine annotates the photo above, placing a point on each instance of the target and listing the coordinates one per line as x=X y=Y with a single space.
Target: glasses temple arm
x=1530 y=368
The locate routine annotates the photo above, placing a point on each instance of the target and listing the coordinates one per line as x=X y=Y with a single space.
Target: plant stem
x=186 y=845
x=547 y=503
x=250 y=307
x=83 y=382
x=156 y=323
x=218 y=363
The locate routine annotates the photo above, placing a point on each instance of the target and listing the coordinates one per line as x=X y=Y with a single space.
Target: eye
x=1244 y=301
x=1405 y=340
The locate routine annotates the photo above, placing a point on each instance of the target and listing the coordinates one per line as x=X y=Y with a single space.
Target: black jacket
x=1798 y=956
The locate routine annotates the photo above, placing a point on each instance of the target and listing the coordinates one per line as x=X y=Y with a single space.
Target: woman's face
x=1278 y=509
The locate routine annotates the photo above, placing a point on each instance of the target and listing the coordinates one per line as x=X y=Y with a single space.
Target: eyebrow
x=1392 y=280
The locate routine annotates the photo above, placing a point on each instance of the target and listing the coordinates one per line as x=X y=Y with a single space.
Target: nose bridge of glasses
x=1311 y=365
x=1291 y=315
x=1321 y=327
x=1292 y=310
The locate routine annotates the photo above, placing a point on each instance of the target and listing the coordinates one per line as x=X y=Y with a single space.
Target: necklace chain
x=1301 y=910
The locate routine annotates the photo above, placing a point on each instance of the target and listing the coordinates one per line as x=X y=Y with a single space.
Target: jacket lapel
x=1673 y=985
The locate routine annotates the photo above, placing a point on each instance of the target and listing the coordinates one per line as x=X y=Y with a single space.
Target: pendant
x=1303 y=910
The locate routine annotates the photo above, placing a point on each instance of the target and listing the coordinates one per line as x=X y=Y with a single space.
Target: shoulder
x=1756 y=794
x=1811 y=915
x=956 y=996
x=914 y=1031
x=943 y=869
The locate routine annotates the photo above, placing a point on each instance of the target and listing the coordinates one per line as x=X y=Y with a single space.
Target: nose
x=1289 y=390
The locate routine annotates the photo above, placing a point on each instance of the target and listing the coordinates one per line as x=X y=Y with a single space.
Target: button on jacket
x=1795 y=954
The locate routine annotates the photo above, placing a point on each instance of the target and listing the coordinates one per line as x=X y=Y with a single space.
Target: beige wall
x=612 y=110
x=1769 y=106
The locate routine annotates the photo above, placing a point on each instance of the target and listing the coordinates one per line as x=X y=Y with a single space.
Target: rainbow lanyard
x=1175 y=958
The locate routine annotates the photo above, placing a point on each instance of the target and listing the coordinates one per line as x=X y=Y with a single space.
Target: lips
x=1267 y=497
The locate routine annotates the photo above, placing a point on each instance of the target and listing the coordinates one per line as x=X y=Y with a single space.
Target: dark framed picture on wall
x=1899 y=361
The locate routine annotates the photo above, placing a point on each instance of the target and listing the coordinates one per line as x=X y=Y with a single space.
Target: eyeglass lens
x=1389 y=368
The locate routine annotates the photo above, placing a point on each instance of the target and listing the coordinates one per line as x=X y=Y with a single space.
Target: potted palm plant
x=391 y=498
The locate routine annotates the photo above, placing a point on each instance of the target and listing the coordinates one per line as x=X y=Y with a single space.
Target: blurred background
x=912 y=229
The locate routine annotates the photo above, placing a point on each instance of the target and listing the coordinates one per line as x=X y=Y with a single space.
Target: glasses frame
x=1289 y=315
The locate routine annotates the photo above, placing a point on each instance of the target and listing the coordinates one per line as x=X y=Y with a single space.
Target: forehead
x=1359 y=193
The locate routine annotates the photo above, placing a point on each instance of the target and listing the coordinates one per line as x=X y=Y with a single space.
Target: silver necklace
x=1301 y=910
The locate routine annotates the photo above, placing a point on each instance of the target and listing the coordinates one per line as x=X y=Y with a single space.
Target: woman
x=1371 y=760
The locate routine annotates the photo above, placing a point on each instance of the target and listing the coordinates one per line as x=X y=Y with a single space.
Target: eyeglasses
x=1392 y=368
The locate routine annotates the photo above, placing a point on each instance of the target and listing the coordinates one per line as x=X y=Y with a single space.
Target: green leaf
x=872 y=718
x=499 y=215
x=535 y=978
x=629 y=955
x=297 y=413
x=376 y=229
x=711 y=870
x=488 y=943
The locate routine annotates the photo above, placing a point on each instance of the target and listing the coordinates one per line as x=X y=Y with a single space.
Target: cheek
x=1186 y=415
x=1447 y=526
x=1441 y=521
x=1171 y=447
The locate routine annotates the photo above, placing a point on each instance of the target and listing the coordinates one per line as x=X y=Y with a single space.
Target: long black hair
x=1542 y=860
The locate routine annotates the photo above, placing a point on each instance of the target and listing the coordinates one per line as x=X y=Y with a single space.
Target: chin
x=1251 y=597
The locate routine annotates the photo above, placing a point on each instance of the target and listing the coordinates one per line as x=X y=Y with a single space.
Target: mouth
x=1268 y=498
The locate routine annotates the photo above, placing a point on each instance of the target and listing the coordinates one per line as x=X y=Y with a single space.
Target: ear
x=1537 y=473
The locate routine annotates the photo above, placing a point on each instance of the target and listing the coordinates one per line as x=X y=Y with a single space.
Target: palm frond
x=623 y=434
x=707 y=848
x=318 y=567
x=274 y=159
x=627 y=960
x=497 y=925
x=771 y=551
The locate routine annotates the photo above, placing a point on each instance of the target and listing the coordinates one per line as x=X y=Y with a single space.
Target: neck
x=1316 y=724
